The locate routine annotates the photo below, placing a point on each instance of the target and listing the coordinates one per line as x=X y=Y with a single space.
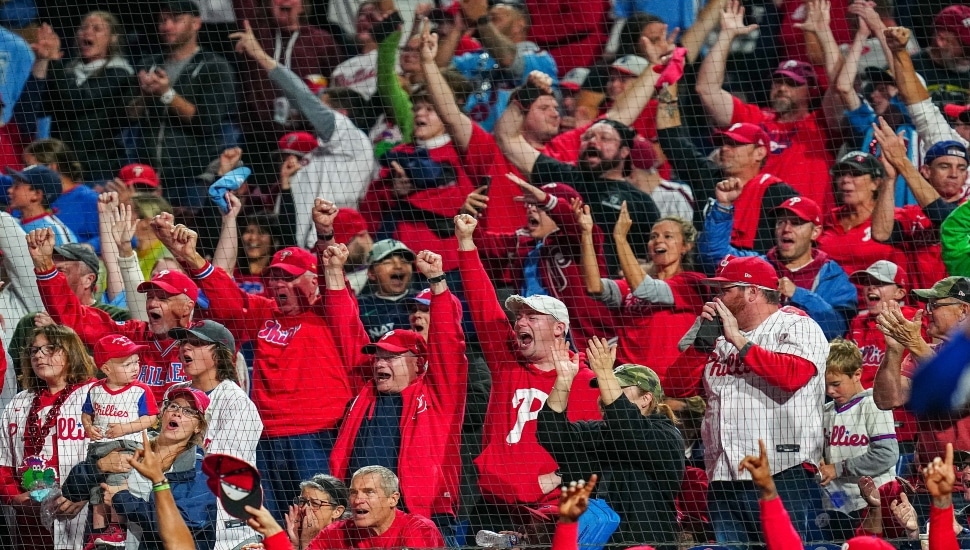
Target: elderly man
x=306 y=337
x=376 y=521
x=514 y=469
x=762 y=369
x=807 y=276
x=409 y=418
x=171 y=300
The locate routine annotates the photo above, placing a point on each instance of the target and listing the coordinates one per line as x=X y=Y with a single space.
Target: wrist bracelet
x=162 y=482
x=744 y=349
x=168 y=97
x=161 y=487
x=437 y=279
x=325 y=237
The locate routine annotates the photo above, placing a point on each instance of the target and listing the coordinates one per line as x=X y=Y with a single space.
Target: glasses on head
x=173 y=407
x=314 y=503
x=45 y=350
x=931 y=306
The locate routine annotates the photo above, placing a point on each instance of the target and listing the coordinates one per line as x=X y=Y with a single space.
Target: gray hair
x=389 y=482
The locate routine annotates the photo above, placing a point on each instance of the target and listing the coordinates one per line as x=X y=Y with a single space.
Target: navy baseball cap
x=41 y=178
x=949 y=148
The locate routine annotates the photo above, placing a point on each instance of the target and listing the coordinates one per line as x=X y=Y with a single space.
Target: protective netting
x=400 y=273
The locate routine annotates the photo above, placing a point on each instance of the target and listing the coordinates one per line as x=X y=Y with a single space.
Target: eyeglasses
x=930 y=306
x=45 y=350
x=173 y=407
x=729 y=287
x=314 y=503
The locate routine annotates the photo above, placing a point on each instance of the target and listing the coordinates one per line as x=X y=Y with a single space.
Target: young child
x=116 y=411
x=860 y=440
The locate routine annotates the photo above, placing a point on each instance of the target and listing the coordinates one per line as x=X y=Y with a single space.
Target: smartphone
x=487 y=184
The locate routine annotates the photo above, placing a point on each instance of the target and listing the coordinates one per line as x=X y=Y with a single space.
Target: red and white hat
x=955 y=19
x=294 y=260
x=882 y=272
x=632 y=65
x=298 y=143
x=803 y=207
x=143 y=174
x=746 y=133
x=172 y=282
x=745 y=270
x=399 y=341
x=115 y=346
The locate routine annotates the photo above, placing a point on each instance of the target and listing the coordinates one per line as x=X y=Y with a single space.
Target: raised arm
x=707 y=19
x=495 y=43
x=911 y=90
x=587 y=249
x=458 y=124
x=629 y=263
x=601 y=357
x=894 y=152
x=227 y=249
x=710 y=78
x=508 y=129
x=818 y=32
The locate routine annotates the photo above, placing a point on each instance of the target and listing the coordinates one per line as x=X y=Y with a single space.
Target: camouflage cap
x=636 y=375
x=951 y=287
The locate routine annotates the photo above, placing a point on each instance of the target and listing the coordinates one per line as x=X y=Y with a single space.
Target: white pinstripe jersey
x=742 y=407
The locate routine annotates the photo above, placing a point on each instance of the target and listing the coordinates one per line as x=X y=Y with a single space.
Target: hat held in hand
x=235 y=483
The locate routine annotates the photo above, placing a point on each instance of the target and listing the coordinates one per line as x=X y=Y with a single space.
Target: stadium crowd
x=424 y=264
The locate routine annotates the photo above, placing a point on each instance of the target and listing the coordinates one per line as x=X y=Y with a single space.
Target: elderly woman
x=636 y=448
x=182 y=429
x=323 y=500
x=46 y=439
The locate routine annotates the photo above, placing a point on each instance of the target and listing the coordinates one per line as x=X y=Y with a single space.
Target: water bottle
x=491 y=539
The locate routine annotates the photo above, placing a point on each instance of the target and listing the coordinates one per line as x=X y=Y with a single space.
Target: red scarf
x=747 y=210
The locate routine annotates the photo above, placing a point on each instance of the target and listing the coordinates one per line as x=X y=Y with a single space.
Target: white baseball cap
x=574 y=79
x=631 y=65
x=540 y=303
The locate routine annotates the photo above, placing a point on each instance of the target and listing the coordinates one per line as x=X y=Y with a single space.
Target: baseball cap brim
x=722 y=135
x=371 y=349
x=622 y=70
x=235 y=482
x=717 y=281
x=182 y=333
x=141 y=181
x=289 y=269
x=865 y=278
x=406 y=252
x=800 y=79
x=170 y=289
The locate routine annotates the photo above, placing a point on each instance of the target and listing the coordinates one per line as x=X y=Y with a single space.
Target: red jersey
x=380 y=206
x=799 y=155
x=793 y=39
x=407 y=531
x=648 y=333
x=251 y=284
x=298 y=358
x=854 y=249
x=512 y=458
x=864 y=333
x=485 y=160
x=573 y=31
x=921 y=245
x=161 y=365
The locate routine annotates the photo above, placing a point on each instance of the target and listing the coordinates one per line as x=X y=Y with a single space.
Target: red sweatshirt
x=429 y=462
x=161 y=365
x=512 y=459
x=407 y=531
x=300 y=382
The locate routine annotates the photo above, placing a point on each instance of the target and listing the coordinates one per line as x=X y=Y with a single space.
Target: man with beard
x=599 y=176
x=807 y=277
x=797 y=152
x=306 y=338
x=764 y=379
x=171 y=301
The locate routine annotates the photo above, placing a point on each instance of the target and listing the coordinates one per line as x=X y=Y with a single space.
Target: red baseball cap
x=953 y=110
x=294 y=260
x=115 y=346
x=139 y=174
x=745 y=270
x=347 y=224
x=298 y=143
x=172 y=282
x=799 y=71
x=562 y=192
x=235 y=482
x=803 y=207
x=955 y=19
x=198 y=398
x=399 y=341
x=867 y=543
x=746 y=133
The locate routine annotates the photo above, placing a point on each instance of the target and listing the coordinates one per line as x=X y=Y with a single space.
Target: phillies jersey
x=743 y=407
x=121 y=406
x=849 y=430
x=161 y=365
x=854 y=248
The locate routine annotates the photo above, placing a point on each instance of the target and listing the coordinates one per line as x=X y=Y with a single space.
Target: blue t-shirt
x=675 y=13
x=16 y=60
x=78 y=209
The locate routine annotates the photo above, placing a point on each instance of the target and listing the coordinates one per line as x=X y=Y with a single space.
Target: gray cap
x=76 y=252
x=207 y=331
x=387 y=248
x=541 y=303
